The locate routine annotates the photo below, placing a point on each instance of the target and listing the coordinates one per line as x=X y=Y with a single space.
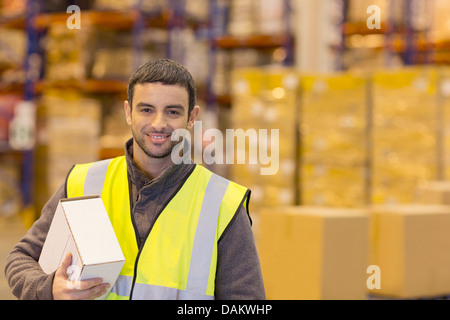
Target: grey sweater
x=238 y=271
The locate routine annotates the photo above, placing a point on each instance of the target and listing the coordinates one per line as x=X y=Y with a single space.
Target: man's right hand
x=64 y=289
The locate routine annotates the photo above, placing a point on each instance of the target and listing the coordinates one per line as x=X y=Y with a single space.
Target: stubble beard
x=140 y=141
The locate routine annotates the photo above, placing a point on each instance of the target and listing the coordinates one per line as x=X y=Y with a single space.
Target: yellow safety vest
x=179 y=257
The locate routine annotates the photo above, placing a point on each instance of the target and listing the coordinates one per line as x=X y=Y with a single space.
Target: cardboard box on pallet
x=411 y=246
x=314 y=252
x=433 y=192
x=82 y=227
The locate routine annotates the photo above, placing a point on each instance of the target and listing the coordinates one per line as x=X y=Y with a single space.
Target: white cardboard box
x=82 y=226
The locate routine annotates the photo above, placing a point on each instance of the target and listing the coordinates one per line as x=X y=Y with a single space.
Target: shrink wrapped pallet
x=333 y=152
x=405 y=133
x=443 y=100
x=265 y=100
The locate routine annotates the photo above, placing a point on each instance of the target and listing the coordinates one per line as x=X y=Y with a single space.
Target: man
x=188 y=235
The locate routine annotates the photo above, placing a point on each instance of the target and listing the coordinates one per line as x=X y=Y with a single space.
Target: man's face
x=157 y=111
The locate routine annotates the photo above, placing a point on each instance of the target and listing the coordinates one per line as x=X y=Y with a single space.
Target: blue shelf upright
x=32 y=73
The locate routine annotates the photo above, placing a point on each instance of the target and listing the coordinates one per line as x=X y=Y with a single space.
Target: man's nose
x=159 y=121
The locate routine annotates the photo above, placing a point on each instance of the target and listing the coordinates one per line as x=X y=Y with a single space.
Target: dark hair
x=167 y=72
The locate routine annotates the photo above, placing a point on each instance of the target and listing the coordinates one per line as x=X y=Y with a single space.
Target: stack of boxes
x=266 y=101
x=408 y=233
x=248 y=20
x=333 y=152
x=405 y=133
x=314 y=252
x=443 y=100
x=115 y=131
x=10 y=163
x=241 y=18
x=12 y=54
x=440 y=31
x=433 y=192
x=66 y=53
x=8 y=105
x=363 y=143
x=357 y=9
x=250 y=17
x=69 y=127
x=410 y=244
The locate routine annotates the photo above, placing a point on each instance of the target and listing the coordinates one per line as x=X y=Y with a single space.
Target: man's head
x=166 y=72
x=161 y=100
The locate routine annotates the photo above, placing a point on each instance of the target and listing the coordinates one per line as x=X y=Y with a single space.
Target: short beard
x=141 y=144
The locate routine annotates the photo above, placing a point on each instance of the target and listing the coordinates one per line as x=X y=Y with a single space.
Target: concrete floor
x=11 y=230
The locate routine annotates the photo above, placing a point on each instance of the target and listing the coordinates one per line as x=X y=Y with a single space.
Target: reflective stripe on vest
x=95 y=178
x=203 y=255
x=153 y=292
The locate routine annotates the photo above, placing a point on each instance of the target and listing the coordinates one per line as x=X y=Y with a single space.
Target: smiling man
x=185 y=231
x=159 y=110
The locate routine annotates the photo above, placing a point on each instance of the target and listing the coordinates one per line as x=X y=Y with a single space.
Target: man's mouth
x=158 y=137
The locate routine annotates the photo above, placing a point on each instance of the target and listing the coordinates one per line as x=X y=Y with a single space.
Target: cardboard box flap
x=330 y=212
x=412 y=209
x=92 y=230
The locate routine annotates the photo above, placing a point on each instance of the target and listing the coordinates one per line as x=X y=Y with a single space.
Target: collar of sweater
x=170 y=176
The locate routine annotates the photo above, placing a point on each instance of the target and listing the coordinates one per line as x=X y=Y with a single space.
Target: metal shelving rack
x=27 y=93
x=35 y=23
x=403 y=39
x=220 y=40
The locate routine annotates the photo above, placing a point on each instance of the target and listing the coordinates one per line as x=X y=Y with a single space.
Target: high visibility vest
x=179 y=256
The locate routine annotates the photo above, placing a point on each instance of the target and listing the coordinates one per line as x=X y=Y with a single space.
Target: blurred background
x=359 y=91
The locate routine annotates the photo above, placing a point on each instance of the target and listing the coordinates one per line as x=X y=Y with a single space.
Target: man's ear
x=193 y=116
x=127 y=108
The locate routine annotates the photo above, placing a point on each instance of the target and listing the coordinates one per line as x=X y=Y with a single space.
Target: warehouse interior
x=345 y=105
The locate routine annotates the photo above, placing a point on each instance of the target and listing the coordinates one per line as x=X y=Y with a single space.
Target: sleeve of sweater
x=22 y=270
x=238 y=275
